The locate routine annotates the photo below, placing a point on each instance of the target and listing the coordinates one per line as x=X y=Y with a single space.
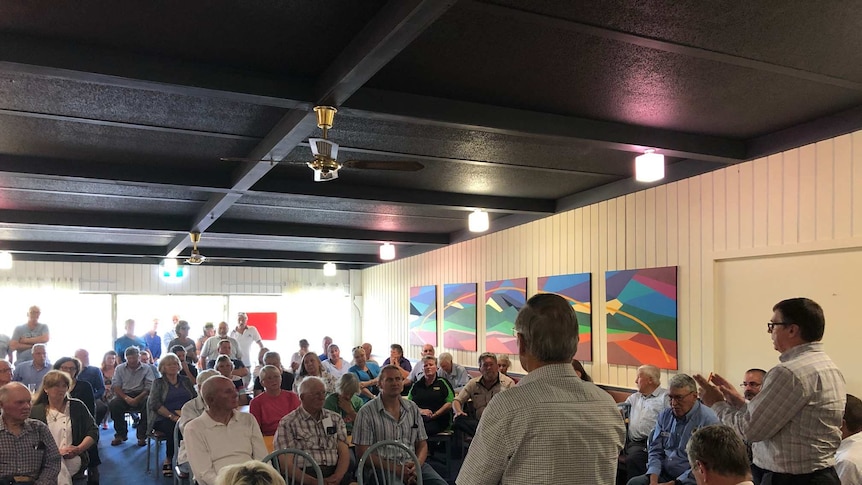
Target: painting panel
x=423 y=315
x=503 y=300
x=459 y=316
x=576 y=289
x=641 y=310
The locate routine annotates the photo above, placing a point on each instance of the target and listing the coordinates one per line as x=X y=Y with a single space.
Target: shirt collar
x=549 y=371
x=800 y=349
x=685 y=418
x=307 y=416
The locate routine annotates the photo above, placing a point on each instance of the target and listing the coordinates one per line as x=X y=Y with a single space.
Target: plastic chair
x=298 y=471
x=158 y=438
x=178 y=480
x=398 y=453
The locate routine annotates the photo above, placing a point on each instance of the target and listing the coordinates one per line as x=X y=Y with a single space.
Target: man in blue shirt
x=668 y=459
x=31 y=372
x=153 y=341
x=128 y=340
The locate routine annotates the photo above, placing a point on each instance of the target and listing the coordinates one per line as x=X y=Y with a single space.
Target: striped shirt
x=374 y=424
x=318 y=438
x=552 y=428
x=794 y=423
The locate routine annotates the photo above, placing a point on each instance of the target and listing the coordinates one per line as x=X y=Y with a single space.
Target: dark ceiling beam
x=440 y=200
x=147 y=222
x=90 y=64
x=806 y=133
x=392 y=29
x=70 y=258
x=225 y=226
x=129 y=126
x=546 y=21
x=155 y=176
x=423 y=110
x=142 y=251
x=387 y=34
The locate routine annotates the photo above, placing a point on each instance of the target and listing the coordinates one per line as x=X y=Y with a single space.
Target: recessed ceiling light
x=649 y=167
x=329 y=269
x=387 y=252
x=478 y=221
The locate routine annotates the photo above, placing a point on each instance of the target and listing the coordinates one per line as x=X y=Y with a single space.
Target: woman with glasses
x=182 y=329
x=70 y=423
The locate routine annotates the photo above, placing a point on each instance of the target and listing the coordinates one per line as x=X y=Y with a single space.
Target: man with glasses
x=752 y=382
x=794 y=424
x=5 y=372
x=668 y=459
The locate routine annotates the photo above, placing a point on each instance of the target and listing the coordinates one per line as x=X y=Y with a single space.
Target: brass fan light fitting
x=324 y=165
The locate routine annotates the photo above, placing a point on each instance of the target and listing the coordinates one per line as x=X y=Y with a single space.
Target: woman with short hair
x=69 y=421
x=168 y=394
x=345 y=401
x=273 y=403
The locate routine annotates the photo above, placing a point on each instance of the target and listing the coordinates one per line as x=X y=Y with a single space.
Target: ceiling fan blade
x=226 y=260
x=399 y=165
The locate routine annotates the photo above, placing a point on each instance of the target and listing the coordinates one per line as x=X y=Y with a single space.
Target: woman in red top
x=273 y=403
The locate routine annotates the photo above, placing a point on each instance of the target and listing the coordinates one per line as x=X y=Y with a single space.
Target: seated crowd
x=793 y=424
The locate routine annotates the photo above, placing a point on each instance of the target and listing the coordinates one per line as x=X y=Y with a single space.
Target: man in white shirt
x=848 y=458
x=245 y=335
x=718 y=456
x=222 y=435
x=646 y=404
x=210 y=349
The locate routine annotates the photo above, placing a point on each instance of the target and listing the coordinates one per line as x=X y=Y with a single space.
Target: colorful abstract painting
x=576 y=289
x=642 y=317
x=503 y=300
x=423 y=315
x=459 y=316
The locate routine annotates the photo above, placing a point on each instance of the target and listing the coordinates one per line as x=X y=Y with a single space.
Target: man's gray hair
x=39 y=346
x=652 y=372
x=308 y=381
x=682 y=381
x=719 y=449
x=271 y=354
x=548 y=327
x=445 y=357
x=429 y=357
x=487 y=355
x=133 y=350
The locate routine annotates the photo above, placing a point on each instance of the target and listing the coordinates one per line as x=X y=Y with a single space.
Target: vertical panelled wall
x=200 y=280
x=803 y=199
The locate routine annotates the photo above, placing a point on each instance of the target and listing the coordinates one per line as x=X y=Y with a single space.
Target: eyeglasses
x=672 y=398
x=770 y=326
x=750 y=384
x=6 y=370
x=68 y=369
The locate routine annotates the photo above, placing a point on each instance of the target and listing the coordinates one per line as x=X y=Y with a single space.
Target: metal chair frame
x=175 y=461
x=389 y=476
x=158 y=439
x=296 y=476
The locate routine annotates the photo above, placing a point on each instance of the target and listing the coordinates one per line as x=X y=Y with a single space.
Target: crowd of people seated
x=792 y=424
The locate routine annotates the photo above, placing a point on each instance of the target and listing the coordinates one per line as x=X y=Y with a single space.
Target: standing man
x=645 y=406
x=418 y=373
x=28 y=452
x=171 y=334
x=128 y=340
x=794 y=424
x=530 y=433
x=131 y=386
x=480 y=390
x=24 y=337
x=245 y=335
x=716 y=455
x=222 y=435
x=848 y=458
x=297 y=356
x=153 y=341
x=668 y=460
x=210 y=349
x=319 y=432
x=390 y=417
x=31 y=372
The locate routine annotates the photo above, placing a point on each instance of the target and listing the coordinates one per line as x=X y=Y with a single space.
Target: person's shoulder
x=36 y=425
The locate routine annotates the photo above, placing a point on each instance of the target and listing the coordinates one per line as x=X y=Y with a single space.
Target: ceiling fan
x=325 y=152
x=197 y=258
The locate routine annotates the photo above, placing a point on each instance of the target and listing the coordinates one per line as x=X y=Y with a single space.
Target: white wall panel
x=802 y=200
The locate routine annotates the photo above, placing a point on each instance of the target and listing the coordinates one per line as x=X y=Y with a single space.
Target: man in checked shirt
x=794 y=424
x=28 y=453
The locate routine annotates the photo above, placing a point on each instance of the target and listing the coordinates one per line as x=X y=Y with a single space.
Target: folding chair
x=397 y=454
x=158 y=438
x=297 y=472
x=178 y=470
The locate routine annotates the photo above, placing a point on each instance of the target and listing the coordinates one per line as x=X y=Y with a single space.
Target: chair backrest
x=294 y=475
x=391 y=467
